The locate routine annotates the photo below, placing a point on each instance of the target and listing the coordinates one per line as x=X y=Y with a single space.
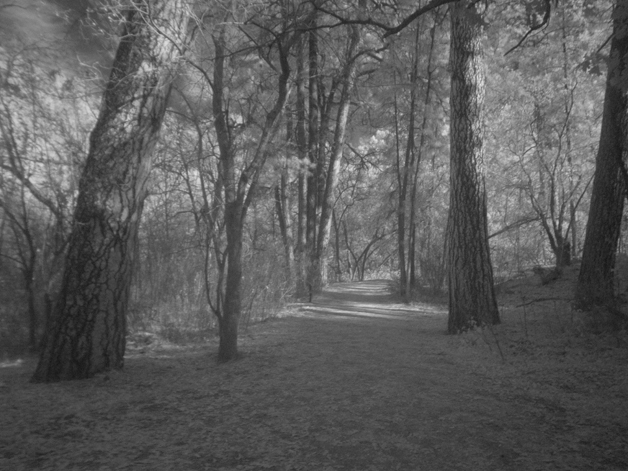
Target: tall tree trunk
x=232 y=307
x=572 y=247
x=415 y=177
x=87 y=330
x=285 y=224
x=595 y=282
x=313 y=154
x=337 y=265
x=471 y=291
x=239 y=191
x=408 y=173
x=302 y=151
x=327 y=203
x=402 y=184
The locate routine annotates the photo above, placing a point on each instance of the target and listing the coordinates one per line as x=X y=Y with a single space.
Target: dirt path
x=350 y=382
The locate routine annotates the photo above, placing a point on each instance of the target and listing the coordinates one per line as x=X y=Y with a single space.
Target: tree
x=86 y=334
x=596 y=278
x=409 y=172
x=471 y=291
x=329 y=105
x=347 y=79
x=239 y=178
x=361 y=219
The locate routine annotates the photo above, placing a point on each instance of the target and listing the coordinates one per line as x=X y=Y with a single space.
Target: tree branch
x=420 y=11
x=546 y=18
x=514 y=225
x=388 y=30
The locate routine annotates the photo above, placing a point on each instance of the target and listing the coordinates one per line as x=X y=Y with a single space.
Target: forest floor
x=353 y=381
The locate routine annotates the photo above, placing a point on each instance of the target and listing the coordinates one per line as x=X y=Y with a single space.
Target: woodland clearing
x=353 y=381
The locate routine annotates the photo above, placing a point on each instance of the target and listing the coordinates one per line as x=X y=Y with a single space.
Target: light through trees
x=305 y=143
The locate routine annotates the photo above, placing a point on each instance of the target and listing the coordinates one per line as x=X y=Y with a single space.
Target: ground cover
x=353 y=381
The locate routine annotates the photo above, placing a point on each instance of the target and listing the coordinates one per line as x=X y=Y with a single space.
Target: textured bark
x=229 y=313
x=471 y=291
x=86 y=334
x=232 y=308
x=596 y=280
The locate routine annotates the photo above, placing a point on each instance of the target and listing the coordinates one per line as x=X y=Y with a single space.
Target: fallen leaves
x=370 y=386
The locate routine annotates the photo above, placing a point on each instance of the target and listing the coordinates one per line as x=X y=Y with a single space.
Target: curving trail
x=352 y=381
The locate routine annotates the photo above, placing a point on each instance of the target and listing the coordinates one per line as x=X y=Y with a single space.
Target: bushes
x=171 y=301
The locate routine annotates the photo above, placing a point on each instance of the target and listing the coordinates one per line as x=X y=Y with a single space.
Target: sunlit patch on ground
x=11 y=363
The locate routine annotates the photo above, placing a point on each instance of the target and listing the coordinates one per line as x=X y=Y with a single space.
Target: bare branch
x=388 y=30
x=514 y=225
x=429 y=7
x=542 y=24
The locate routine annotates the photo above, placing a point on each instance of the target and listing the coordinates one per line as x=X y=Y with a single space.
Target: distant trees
x=361 y=222
x=544 y=100
x=87 y=329
x=325 y=86
x=409 y=156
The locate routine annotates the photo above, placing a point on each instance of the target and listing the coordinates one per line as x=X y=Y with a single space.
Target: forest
x=246 y=227
x=182 y=169
x=280 y=147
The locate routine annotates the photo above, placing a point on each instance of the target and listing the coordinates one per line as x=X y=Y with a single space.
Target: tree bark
x=313 y=154
x=87 y=330
x=402 y=184
x=232 y=308
x=282 y=206
x=471 y=292
x=302 y=151
x=596 y=280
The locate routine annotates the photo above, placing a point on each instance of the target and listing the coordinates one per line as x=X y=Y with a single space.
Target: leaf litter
x=353 y=381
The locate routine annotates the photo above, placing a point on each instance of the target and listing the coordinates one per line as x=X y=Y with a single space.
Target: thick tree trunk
x=471 y=292
x=33 y=316
x=87 y=330
x=595 y=282
x=228 y=322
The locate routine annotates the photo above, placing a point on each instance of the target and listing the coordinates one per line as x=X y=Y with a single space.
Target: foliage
x=45 y=114
x=543 y=107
